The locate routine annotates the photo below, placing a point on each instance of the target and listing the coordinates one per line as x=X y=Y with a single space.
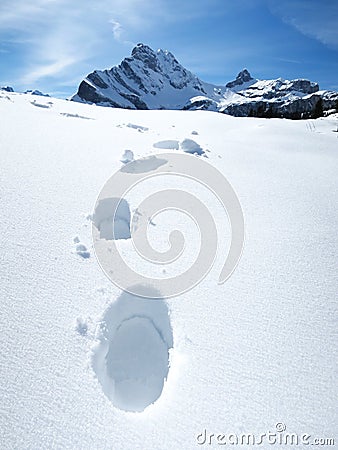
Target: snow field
x=240 y=357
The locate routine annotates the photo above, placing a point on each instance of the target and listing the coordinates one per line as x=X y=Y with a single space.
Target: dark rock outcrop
x=36 y=92
x=243 y=77
x=7 y=89
x=309 y=107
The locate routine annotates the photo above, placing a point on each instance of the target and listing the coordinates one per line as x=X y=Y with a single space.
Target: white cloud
x=51 y=69
x=66 y=38
x=119 y=33
x=314 y=18
x=54 y=36
x=117 y=29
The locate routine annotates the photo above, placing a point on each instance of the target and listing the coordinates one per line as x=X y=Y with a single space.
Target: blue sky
x=52 y=44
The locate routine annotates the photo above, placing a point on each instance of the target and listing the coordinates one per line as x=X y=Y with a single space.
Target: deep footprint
x=131 y=358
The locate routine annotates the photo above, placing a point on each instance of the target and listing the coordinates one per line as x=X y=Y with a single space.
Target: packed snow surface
x=131 y=359
x=86 y=366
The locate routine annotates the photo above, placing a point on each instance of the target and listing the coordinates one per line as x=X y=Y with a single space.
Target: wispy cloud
x=117 y=29
x=289 y=61
x=47 y=43
x=55 y=38
x=47 y=70
x=119 y=33
x=314 y=18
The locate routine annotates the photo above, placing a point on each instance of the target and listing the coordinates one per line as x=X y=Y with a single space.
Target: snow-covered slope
x=156 y=80
x=244 y=356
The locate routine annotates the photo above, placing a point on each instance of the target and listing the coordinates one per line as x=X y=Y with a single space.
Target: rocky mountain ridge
x=151 y=79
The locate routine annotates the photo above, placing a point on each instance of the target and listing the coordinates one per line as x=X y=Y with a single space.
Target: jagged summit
x=141 y=49
x=151 y=57
x=145 y=80
x=145 y=54
x=149 y=79
x=243 y=77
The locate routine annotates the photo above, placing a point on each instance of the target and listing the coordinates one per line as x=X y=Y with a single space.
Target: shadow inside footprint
x=144 y=165
x=131 y=356
x=112 y=218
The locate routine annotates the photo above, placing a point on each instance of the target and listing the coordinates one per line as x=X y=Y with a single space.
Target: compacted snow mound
x=112 y=218
x=82 y=251
x=76 y=116
x=144 y=165
x=127 y=156
x=131 y=354
x=41 y=105
x=190 y=146
x=137 y=127
x=168 y=144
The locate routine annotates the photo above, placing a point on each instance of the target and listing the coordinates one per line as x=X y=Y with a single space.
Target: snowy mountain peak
x=243 y=77
x=149 y=79
x=145 y=80
x=140 y=49
x=145 y=54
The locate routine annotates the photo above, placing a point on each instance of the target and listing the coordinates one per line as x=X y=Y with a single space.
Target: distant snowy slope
x=76 y=354
x=151 y=79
